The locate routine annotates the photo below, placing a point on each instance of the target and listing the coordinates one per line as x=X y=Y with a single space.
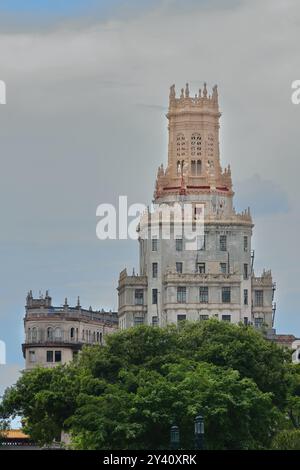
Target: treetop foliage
x=128 y=393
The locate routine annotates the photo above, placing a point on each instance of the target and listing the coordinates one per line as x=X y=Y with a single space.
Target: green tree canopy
x=127 y=394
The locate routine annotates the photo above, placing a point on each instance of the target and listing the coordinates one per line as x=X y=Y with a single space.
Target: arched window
x=98 y=337
x=29 y=335
x=34 y=334
x=82 y=335
x=196 y=149
x=50 y=333
x=72 y=333
x=196 y=167
x=94 y=337
x=100 y=340
x=58 y=334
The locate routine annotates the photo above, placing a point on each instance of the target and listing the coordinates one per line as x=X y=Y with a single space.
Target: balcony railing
x=72 y=313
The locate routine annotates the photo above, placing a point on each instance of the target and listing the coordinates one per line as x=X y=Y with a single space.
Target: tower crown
x=193 y=151
x=200 y=102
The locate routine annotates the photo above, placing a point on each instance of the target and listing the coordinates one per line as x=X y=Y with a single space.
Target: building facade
x=55 y=335
x=217 y=278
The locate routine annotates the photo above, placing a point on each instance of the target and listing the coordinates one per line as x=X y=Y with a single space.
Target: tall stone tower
x=216 y=279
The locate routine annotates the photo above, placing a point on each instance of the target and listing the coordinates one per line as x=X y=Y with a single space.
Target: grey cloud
x=79 y=130
x=265 y=197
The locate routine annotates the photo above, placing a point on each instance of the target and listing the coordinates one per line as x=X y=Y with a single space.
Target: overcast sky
x=87 y=92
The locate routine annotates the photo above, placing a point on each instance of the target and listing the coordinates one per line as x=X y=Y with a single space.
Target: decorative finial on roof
x=204 y=90
x=78 y=302
x=187 y=91
x=133 y=272
x=182 y=93
x=215 y=93
x=172 y=92
x=66 y=302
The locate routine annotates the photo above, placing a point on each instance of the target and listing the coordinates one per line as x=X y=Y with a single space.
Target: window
x=181 y=317
x=75 y=355
x=196 y=167
x=210 y=145
x=181 y=295
x=34 y=335
x=245 y=296
x=57 y=356
x=154 y=269
x=201 y=268
x=138 y=320
x=32 y=357
x=50 y=333
x=154 y=244
x=100 y=337
x=181 y=145
x=246 y=321
x=223 y=268
x=179 y=268
x=138 y=297
x=223 y=243
x=58 y=334
x=259 y=298
x=226 y=295
x=203 y=317
x=196 y=144
x=226 y=318
x=258 y=322
x=155 y=320
x=245 y=243
x=203 y=294
x=179 y=244
x=245 y=271
x=49 y=356
x=154 y=296
x=72 y=333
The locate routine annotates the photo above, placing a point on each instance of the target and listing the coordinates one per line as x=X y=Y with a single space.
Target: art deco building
x=54 y=335
x=217 y=279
